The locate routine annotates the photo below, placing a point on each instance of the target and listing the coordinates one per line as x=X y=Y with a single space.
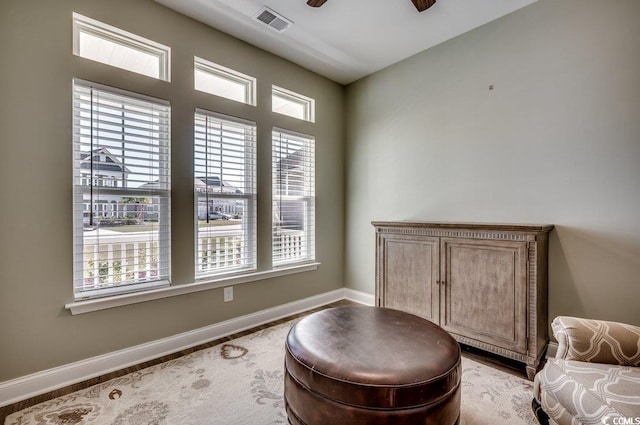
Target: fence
x=114 y=259
x=288 y=245
x=111 y=263
x=219 y=253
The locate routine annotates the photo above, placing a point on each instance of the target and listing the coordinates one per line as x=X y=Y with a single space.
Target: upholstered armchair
x=595 y=376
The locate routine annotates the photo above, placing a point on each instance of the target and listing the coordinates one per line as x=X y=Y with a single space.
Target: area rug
x=240 y=382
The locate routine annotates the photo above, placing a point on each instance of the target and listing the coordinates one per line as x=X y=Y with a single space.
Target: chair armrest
x=597 y=341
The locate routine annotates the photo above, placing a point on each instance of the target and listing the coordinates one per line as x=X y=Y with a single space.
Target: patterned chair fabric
x=597 y=341
x=595 y=376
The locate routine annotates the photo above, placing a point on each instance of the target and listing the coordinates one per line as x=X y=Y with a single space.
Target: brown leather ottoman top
x=373 y=357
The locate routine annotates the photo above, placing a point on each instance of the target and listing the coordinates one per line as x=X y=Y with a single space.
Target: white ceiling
x=345 y=40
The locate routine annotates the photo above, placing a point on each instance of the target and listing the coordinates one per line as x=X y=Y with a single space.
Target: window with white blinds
x=225 y=194
x=293 y=174
x=121 y=182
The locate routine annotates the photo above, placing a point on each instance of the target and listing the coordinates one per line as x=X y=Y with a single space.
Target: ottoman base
x=316 y=409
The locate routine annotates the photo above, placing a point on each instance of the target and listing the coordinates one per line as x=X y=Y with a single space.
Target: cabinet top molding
x=507 y=227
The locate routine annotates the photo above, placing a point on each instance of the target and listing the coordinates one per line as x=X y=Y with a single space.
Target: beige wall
x=36 y=70
x=556 y=141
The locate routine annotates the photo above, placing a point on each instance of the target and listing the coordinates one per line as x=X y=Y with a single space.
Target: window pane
x=224 y=82
x=121 y=190
x=111 y=53
x=103 y=43
x=293 y=207
x=225 y=193
x=289 y=107
x=295 y=105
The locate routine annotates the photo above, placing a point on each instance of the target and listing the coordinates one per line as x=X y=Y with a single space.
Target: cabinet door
x=485 y=291
x=409 y=269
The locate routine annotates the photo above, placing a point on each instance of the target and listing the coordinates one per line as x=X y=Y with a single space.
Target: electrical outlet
x=228 y=294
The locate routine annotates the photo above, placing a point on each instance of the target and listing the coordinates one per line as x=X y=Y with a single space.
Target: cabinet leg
x=531 y=372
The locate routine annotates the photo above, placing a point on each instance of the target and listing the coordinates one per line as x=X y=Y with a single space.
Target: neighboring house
x=290 y=176
x=209 y=187
x=289 y=212
x=110 y=173
x=108 y=170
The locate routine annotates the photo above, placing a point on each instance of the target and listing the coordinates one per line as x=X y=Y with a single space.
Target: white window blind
x=121 y=181
x=293 y=208
x=225 y=194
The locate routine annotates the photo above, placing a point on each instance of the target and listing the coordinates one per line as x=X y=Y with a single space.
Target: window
x=121 y=181
x=225 y=194
x=295 y=105
x=112 y=46
x=293 y=208
x=224 y=82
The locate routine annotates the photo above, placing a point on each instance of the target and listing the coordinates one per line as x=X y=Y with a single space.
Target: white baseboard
x=42 y=382
x=359 y=297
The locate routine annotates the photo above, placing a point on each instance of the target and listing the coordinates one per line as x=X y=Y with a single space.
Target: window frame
x=214 y=69
x=84 y=24
x=249 y=254
x=308 y=103
x=83 y=185
x=308 y=198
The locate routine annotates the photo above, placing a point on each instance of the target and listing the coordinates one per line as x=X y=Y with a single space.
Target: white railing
x=123 y=257
x=220 y=252
x=289 y=246
x=114 y=262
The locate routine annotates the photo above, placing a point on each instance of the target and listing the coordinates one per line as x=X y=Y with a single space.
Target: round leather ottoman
x=370 y=365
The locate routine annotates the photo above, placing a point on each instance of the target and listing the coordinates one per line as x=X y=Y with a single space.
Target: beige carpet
x=241 y=383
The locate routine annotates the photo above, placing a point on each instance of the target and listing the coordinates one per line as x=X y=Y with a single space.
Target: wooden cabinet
x=486 y=284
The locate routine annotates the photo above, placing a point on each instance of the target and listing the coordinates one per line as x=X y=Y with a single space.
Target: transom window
x=293 y=209
x=112 y=46
x=121 y=188
x=224 y=82
x=293 y=104
x=225 y=194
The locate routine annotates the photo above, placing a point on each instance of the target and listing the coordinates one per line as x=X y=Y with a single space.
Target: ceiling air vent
x=274 y=20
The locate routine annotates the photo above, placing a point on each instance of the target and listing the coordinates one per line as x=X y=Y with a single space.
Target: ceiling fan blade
x=422 y=5
x=316 y=3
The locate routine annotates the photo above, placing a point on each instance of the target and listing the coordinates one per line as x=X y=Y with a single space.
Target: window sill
x=86 y=306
